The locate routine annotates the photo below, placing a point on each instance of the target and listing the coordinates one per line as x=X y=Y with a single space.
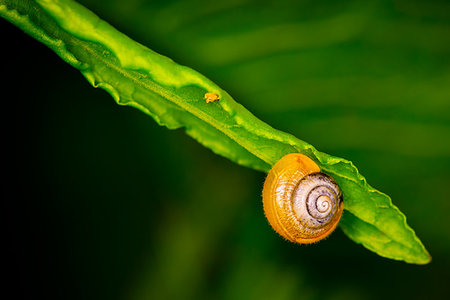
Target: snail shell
x=302 y=204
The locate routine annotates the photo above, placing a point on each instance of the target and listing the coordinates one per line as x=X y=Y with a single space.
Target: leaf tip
x=424 y=259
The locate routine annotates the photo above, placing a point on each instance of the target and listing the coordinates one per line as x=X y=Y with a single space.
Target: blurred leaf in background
x=99 y=210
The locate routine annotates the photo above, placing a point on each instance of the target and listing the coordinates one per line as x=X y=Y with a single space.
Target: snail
x=302 y=204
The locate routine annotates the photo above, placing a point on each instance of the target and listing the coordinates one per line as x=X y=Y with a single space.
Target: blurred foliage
x=99 y=211
x=174 y=96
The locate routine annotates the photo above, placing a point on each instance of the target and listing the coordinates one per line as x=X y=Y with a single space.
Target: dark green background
x=101 y=203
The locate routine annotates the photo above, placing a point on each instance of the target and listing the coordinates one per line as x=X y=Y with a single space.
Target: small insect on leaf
x=211 y=97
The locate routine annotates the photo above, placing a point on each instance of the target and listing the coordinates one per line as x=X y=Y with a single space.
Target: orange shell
x=280 y=205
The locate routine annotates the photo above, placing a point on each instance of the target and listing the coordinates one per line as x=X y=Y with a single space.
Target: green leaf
x=174 y=96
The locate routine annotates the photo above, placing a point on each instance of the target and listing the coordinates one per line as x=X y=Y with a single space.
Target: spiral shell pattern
x=301 y=203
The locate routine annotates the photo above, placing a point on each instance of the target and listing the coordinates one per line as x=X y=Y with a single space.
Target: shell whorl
x=301 y=203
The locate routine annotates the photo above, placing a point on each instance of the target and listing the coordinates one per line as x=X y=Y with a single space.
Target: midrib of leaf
x=153 y=86
x=189 y=108
x=165 y=93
